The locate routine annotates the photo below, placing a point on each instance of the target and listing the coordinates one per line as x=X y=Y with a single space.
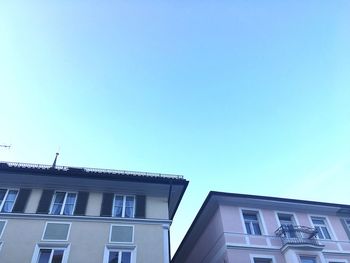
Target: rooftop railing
x=297 y=235
x=92 y=170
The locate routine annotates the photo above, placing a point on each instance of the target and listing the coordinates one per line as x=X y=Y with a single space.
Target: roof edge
x=279 y=199
x=92 y=173
x=179 y=200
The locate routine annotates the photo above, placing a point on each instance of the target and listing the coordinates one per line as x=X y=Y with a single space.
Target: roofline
x=278 y=199
x=94 y=173
x=206 y=201
x=261 y=197
x=179 y=201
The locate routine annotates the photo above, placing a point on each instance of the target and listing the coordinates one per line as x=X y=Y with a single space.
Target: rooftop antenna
x=54 y=162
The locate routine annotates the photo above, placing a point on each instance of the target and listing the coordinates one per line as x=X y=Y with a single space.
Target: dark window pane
x=118 y=211
x=262 y=260
x=319 y=232
x=129 y=201
x=308 y=260
x=113 y=257
x=10 y=200
x=126 y=257
x=129 y=206
x=56 y=209
x=69 y=205
x=11 y=195
x=257 y=230
x=118 y=200
x=71 y=198
x=250 y=217
x=326 y=233
x=7 y=208
x=285 y=217
x=129 y=212
x=59 y=197
x=44 y=255
x=247 y=226
x=318 y=221
x=118 y=206
x=2 y=194
x=57 y=256
x=68 y=209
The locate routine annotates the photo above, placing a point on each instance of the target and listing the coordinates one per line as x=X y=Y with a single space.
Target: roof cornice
x=92 y=173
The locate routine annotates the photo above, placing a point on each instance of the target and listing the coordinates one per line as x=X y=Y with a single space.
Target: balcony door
x=287 y=222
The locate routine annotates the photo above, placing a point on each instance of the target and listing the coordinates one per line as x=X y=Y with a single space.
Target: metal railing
x=297 y=235
x=91 y=170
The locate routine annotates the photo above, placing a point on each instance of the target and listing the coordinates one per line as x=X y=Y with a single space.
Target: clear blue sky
x=238 y=96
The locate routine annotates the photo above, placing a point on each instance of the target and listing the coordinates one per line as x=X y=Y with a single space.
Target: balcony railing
x=298 y=235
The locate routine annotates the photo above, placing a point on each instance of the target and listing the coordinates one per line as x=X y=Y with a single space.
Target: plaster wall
x=87 y=240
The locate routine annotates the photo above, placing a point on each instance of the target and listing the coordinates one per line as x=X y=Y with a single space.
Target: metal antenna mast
x=54 y=162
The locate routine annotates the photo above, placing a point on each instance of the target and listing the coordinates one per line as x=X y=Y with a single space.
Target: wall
x=236 y=237
x=157 y=207
x=208 y=246
x=90 y=237
x=245 y=256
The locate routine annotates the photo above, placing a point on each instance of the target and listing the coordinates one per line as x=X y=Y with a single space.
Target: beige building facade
x=63 y=214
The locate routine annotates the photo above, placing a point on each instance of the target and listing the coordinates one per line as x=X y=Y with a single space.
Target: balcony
x=298 y=236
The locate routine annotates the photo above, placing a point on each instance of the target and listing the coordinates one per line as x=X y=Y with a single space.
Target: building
x=57 y=214
x=238 y=228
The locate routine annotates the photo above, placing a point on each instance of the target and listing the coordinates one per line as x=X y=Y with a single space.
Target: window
x=118 y=256
x=308 y=260
x=124 y=206
x=251 y=222
x=286 y=219
x=51 y=253
x=7 y=200
x=63 y=203
x=48 y=255
x=262 y=260
x=321 y=227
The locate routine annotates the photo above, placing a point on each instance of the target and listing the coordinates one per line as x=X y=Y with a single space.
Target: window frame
x=308 y=256
x=295 y=221
x=64 y=202
x=56 y=222
x=124 y=206
x=52 y=246
x=253 y=257
x=347 y=222
x=119 y=248
x=3 y=229
x=5 y=197
x=326 y=224
x=259 y=219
